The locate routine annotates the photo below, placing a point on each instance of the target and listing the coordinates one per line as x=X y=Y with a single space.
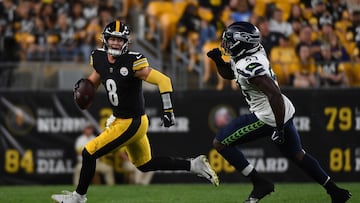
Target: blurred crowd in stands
x=311 y=43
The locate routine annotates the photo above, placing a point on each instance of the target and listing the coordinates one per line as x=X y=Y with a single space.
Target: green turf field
x=174 y=193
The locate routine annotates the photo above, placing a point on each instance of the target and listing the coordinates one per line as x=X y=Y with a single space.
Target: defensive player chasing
x=122 y=72
x=271 y=113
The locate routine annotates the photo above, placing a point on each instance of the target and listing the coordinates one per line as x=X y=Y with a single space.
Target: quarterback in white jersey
x=271 y=113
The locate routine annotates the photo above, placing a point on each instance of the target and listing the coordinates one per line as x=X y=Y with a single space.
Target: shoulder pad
x=140 y=61
x=255 y=68
x=136 y=55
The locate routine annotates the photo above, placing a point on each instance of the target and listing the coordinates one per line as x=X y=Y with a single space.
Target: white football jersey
x=251 y=66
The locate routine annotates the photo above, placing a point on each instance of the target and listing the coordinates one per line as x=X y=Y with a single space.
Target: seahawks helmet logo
x=246 y=37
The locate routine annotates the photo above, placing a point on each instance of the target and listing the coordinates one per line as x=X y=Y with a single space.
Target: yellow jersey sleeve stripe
x=139 y=64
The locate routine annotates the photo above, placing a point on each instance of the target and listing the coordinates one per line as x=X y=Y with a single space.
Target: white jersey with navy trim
x=251 y=66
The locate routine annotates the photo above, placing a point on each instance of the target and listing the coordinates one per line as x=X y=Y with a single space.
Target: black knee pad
x=87 y=156
x=146 y=167
x=300 y=157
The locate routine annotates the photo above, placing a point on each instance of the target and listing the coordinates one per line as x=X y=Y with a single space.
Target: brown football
x=84 y=93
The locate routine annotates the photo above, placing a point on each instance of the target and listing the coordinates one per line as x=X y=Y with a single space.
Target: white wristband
x=166 y=101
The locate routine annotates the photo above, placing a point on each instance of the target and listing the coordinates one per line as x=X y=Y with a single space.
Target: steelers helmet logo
x=220 y=116
x=124 y=71
x=20 y=120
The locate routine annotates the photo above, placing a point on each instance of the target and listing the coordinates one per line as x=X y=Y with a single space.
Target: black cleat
x=260 y=190
x=339 y=195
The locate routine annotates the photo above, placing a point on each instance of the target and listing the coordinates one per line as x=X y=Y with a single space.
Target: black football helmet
x=241 y=38
x=116 y=29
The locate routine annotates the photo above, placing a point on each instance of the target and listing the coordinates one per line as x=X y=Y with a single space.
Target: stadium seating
x=162 y=17
x=280 y=60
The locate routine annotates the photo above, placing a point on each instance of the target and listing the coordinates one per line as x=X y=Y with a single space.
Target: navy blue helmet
x=241 y=38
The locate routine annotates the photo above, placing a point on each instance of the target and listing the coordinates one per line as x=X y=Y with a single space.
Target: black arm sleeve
x=224 y=69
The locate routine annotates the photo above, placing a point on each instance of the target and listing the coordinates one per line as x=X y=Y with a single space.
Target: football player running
x=121 y=72
x=271 y=113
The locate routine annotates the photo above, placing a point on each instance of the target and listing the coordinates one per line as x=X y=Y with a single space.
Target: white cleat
x=200 y=166
x=68 y=197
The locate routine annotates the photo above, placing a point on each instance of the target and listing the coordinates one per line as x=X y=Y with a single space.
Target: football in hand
x=84 y=92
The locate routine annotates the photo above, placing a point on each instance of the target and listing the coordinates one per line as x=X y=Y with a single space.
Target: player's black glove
x=168 y=118
x=224 y=68
x=215 y=55
x=278 y=136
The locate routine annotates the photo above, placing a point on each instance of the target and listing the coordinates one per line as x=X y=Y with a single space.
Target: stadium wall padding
x=38 y=130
